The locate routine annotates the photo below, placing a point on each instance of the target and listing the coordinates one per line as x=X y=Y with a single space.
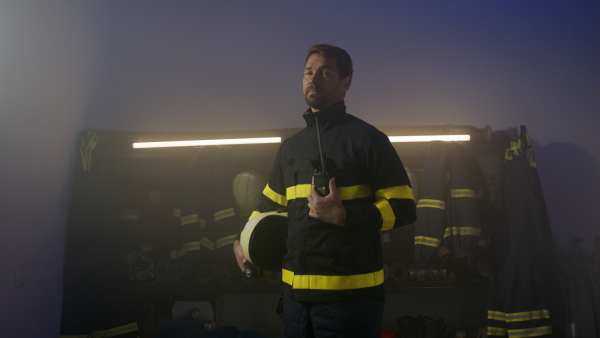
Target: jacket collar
x=326 y=115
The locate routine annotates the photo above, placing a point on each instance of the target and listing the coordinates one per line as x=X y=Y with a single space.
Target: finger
x=310 y=196
x=332 y=186
x=314 y=193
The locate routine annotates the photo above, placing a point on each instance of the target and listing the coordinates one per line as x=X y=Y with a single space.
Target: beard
x=316 y=100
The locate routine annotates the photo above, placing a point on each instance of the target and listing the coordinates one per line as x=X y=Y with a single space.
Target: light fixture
x=406 y=134
x=195 y=143
x=428 y=138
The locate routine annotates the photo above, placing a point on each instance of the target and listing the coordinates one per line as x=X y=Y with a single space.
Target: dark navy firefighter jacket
x=326 y=262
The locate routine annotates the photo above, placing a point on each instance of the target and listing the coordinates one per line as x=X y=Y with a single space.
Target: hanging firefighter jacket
x=431 y=205
x=194 y=214
x=207 y=217
x=453 y=204
x=96 y=301
x=523 y=270
x=228 y=215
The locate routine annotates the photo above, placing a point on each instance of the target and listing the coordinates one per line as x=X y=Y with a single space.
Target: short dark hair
x=341 y=57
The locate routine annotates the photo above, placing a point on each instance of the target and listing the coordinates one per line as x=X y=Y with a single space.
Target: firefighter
x=333 y=269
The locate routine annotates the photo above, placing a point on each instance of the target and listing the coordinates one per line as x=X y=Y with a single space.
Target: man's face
x=321 y=84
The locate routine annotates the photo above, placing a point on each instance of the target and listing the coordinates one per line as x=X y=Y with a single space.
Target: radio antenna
x=321 y=179
x=321 y=156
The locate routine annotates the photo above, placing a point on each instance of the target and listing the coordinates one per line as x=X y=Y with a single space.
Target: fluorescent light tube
x=428 y=138
x=194 y=143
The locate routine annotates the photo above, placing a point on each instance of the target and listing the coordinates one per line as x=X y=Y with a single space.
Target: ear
x=346 y=82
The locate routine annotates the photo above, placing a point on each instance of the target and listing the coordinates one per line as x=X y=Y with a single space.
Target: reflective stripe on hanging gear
x=462 y=231
x=221 y=242
x=429 y=203
x=515 y=150
x=87 y=142
x=207 y=243
x=193 y=219
x=219 y=215
x=427 y=241
x=457 y=193
x=177 y=212
x=527 y=146
x=520 y=145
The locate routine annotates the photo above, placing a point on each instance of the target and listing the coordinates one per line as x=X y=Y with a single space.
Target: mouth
x=312 y=90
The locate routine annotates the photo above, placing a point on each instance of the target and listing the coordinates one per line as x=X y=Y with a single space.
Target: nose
x=314 y=79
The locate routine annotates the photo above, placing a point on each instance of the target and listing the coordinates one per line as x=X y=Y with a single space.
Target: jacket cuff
x=364 y=215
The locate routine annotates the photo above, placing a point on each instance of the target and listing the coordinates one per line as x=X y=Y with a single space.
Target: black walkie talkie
x=320 y=179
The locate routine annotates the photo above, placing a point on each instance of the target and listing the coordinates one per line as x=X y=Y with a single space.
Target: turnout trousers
x=344 y=319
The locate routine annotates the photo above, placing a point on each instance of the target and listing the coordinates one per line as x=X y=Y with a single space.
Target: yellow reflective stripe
x=344 y=193
x=496 y=315
x=298 y=191
x=275 y=197
x=496 y=331
x=519 y=317
x=225 y=241
x=319 y=282
x=354 y=192
x=529 y=315
x=189 y=219
x=176 y=212
x=383 y=196
x=462 y=231
x=443 y=251
x=401 y=191
x=219 y=215
x=116 y=331
x=428 y=241
x=429 y=203
x=207 y=243
x=254 y=214
x=385 y=238
x=191 y=246
x=515 y=150
x=456 y=193
x=177 y=253
x=387 y=214
x=74 y=336
x=530 y=332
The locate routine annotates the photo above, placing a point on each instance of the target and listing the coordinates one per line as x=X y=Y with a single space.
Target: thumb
x=332 y=186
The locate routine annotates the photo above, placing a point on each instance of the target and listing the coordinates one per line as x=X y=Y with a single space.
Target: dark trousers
x=346 y=319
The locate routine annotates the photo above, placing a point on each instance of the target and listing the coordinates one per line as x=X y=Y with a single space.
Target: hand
x=241 y=259
x=328 y=209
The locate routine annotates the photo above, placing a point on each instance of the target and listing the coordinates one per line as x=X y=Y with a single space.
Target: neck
x=314 y=110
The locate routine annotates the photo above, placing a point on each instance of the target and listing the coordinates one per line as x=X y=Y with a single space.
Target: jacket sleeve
x=394 y=204
x=273 y=196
